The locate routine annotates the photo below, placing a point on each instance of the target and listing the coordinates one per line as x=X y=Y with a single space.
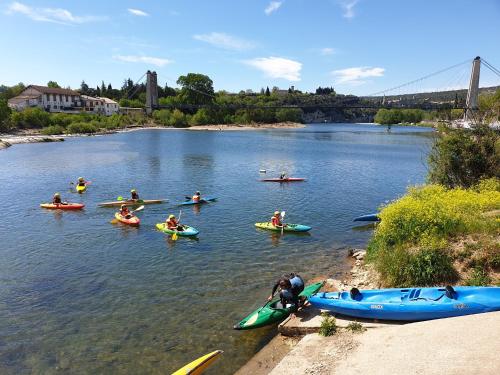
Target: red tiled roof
x=53 y=90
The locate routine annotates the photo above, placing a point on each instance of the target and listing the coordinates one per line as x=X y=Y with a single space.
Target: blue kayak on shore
x=369 y=217
x=410 y=304
x=202 y=200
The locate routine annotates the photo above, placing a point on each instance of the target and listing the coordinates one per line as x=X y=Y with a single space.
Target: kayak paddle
x=282 y=224
x=175 y=236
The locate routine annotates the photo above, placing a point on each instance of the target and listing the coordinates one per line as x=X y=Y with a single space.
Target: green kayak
x=267 y=314
x=187 y=232
x=287 y=228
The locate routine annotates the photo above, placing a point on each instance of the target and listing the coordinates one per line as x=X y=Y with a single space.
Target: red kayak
x=61 y=206
x=289 y=179
x=134 y=220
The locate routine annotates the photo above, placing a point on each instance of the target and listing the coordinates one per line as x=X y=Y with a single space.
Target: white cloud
x=137 y=12
x=225 y=41
x=354 y=76
x=273 y=7
x=277 y=67
x=327 y=51
x=54 y=15
x=348 y=7
x=143 y=59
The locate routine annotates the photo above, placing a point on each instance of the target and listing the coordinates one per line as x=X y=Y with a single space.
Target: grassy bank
x=434 y=235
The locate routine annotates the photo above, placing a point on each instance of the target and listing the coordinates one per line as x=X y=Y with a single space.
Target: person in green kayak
x=134 y=195
x=290 y=288
x=196 y=197
x=276 y=220
x=173 y=224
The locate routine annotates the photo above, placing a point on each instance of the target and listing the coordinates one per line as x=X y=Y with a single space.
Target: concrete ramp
x=458 y=346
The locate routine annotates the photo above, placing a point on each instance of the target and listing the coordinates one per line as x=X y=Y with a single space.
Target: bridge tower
x=473 y=93
x=151 y=91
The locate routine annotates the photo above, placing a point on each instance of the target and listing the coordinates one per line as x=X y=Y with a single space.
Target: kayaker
x=276 y=220
x=287 y=297
x=125 y=212
x=134 y=195
x=283 y=176
x=196 y=197
x=81 y=182
x=57 y=199
x=296 y=285
x=173 y=224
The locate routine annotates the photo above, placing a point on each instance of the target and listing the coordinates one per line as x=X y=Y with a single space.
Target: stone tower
x=151 y=91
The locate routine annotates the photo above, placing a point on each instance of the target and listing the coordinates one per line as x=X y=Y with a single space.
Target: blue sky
x=357 y=46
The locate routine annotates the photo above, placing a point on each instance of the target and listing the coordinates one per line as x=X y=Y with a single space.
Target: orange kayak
x=61 y=206
x=134 y=220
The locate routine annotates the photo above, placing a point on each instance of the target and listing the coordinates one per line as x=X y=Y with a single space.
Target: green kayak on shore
x=268 y=314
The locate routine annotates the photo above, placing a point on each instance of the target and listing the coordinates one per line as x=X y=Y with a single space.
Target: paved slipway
x=462 y=345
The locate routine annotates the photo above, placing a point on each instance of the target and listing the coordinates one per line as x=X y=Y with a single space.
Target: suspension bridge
x=409 y=95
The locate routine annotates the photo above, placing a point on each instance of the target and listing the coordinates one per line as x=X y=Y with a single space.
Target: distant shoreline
x=35 y=135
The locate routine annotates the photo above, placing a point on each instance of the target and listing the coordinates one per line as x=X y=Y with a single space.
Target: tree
x=103 y=88
x=196 y=89
x=4 y=115
x=98 y=91
x=53 y=84
x=84 y=88
x=461 y=157
x=109 y=88
x=268 y=93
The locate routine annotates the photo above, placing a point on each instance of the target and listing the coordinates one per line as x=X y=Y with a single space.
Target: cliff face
x=338 y=115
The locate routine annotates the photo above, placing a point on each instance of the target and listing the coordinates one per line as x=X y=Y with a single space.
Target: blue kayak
x=370 y=217
x=202 y=200
x=410 y=304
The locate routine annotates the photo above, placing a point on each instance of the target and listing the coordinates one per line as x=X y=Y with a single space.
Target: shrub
x=81 y=128
x=177 y=119
x=162 y=116
x=289 y=114
x=461 y=157
x=355 y=327
x=328 y=325
x=53 y=130
x=62 y=119
x=30 y=118
x=408 y=245
x=478 y=277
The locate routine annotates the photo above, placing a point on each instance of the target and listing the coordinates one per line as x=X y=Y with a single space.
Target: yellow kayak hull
x=199 y=365
x=81 y=189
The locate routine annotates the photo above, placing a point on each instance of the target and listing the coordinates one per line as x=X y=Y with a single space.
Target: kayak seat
x=450 y=292
x=355 y=294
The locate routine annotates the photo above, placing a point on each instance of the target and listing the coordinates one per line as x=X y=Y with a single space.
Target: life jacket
x=135 y=195
x=196 y=198
x=56 y=200
x=81 y=183
x=124 y=212
x=172 y=224
x=275 y=221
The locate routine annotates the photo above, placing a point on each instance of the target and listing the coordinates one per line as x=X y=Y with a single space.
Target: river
x=80 y=295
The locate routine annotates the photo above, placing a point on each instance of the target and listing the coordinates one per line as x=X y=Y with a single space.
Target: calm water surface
x=80 y=295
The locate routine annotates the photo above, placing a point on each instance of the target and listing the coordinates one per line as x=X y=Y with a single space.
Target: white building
x=49 y=98
x=61 y=100
x=99 y=105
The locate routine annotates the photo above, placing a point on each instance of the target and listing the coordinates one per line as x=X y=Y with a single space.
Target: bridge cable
x=491 y=67
x=420 y=79
x=134 y=88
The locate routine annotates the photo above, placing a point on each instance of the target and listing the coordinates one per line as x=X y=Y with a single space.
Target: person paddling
x=173 y=224
x=124 y=212
x=56 y=199
x=81 y=182
x=196 y=197
x=276 y=220
x=134 y=195
x=283 y=176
